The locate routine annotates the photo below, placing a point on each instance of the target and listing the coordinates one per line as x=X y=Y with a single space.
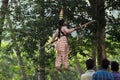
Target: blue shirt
x=116 y=75
x=102 y=74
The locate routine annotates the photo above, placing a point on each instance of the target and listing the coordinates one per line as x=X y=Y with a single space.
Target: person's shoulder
x=119 y=74
x=84 y=74
x=97 y=72
x=110 y=74
x=87 y=73
x=115 y=73
x=64 y=26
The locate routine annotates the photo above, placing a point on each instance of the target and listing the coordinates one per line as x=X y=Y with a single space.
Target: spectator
x=115 y=68
x=88 y=74
x=103 y=74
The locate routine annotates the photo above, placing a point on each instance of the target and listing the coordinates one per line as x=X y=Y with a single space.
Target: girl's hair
x=61 y=23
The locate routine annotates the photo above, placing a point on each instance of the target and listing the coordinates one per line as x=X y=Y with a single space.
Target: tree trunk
x=20 y=62
x=94 y=57
x=99 y=15
x=42 y=51
x=42 y=63
x=38 y=75
x=3 y=12
x=101 y=23
x=78 y=67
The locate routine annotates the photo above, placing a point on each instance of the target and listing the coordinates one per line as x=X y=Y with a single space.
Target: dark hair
x=105 y=63
x=114 y=66
x=89 y=64
x=61 y=23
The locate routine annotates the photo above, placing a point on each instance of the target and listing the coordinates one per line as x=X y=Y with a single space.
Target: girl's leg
x=58 y=62
x=65 y=60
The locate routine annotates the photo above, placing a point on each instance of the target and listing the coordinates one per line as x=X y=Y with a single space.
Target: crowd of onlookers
x=103 y=73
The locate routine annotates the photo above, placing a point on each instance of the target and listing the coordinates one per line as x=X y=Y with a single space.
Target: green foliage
x=8 y=66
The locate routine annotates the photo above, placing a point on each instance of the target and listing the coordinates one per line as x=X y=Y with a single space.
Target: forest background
x=28 y=25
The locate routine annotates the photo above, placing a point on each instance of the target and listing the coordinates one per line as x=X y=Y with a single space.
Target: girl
x=62 y=44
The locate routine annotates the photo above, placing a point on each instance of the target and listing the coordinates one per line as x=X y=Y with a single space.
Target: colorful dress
x=62 y=47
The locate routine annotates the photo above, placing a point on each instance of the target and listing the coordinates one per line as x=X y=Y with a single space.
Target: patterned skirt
x=62 y=52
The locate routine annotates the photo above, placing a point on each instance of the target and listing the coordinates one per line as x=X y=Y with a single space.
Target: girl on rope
x=62 y=44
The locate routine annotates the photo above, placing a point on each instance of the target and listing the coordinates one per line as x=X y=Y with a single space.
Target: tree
x=98 y=8
x=4 y=9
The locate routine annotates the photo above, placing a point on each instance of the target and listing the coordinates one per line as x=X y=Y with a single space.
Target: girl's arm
x=68 y=31
x=55 y=35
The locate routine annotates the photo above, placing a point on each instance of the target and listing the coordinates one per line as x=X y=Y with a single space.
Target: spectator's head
x=114 y=66
x=105 y=63
x=90 y=64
